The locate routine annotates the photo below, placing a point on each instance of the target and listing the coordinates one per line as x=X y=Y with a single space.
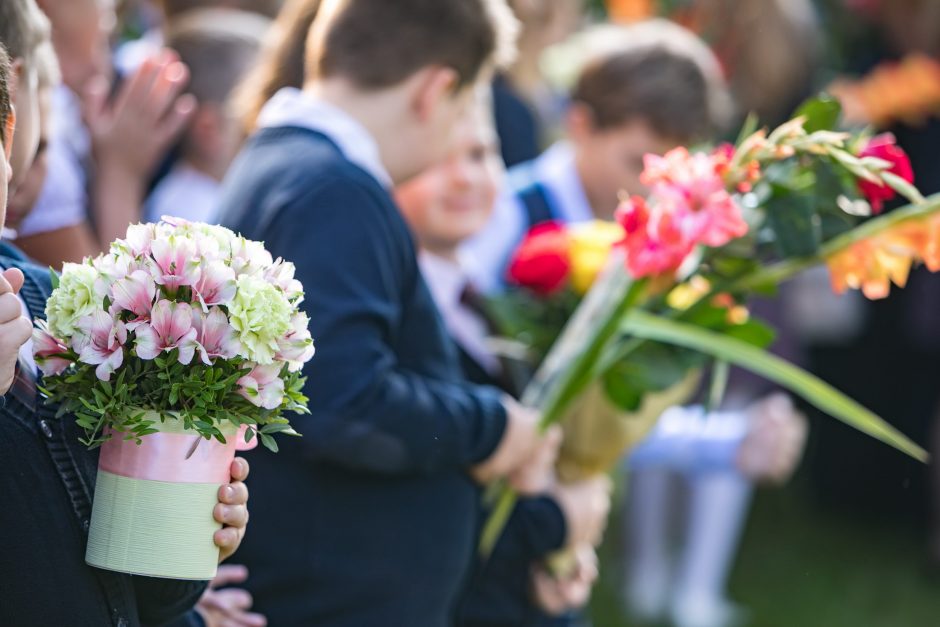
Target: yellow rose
x=591 y=243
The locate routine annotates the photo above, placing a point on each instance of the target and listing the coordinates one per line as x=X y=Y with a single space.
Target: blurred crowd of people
x=313 y=125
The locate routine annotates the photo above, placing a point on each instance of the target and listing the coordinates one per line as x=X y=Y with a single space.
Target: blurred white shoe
x=646 y=594
x=706 y=612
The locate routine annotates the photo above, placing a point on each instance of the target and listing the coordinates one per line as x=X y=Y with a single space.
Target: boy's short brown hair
x=659 y=73
x=23 y=28
x=268 y=8
x=6 y=108
x=219 y=46
x=380 y=43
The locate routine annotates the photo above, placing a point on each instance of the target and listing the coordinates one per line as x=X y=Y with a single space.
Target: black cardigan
x=46 y=485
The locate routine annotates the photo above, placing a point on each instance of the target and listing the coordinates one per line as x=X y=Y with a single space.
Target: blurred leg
x=646 y=519
x=717 y=512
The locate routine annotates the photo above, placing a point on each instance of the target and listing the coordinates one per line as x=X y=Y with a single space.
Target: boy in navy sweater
x=397 y=444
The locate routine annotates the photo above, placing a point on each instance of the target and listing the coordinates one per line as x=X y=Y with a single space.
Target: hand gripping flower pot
x=175 y=349
x=152 y=513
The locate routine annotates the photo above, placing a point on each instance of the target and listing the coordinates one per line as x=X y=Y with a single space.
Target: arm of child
x=372 y=412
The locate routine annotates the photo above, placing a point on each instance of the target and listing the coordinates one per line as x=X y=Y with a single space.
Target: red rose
x=542 y=261
x=883 y=147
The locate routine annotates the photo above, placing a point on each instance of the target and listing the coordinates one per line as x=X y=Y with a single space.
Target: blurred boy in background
x=218 y=46
x=398 y=442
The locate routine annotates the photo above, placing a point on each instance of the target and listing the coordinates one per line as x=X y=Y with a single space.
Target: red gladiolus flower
x=884 y=147
x=542 y=263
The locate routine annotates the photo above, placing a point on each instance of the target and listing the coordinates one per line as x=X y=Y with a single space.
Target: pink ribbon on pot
x=173 y=457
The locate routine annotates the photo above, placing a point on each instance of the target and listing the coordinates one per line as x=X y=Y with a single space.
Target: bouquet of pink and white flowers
x=181 y=319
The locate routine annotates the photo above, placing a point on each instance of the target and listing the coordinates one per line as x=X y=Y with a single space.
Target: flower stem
x=783 y=270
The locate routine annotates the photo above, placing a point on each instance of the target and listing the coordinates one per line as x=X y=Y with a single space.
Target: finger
x=95 y=101
x=245 y=620
x=10 y=307
x=234 y=493
x=175 y=122
x=239 y=469
x=252 y=619
x=232 y=515
x=133 y=93
x=227 y=539
x=229 y=574
x=15 y=279
x=166 y=88
x=235 y=600
x=5 y=286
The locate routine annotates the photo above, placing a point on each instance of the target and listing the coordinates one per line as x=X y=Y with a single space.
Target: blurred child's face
x=26 y=193
x=610 y=160
x=453 y=200
x=80 y=33
x=26 y=138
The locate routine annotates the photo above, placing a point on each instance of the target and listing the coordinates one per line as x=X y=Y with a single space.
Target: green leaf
x=797 y=380
x=795 y=223
x=53 y=278
x=822 y=113
x=749 y=127
x=269 y=442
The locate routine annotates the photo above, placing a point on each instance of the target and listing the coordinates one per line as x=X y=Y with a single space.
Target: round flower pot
x=152 y=512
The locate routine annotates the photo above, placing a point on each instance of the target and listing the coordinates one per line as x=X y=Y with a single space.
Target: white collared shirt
x=447 y=281
x=292 y=107
x=489 y=251
x=184 y=193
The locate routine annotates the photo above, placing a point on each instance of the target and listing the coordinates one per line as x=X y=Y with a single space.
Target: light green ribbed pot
x=154 y=528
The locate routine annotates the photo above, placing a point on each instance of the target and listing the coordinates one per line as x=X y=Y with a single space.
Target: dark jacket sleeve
x=370 y=412
x=163 y=601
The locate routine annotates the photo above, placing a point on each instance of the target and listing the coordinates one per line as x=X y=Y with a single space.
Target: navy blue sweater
x=370 y=518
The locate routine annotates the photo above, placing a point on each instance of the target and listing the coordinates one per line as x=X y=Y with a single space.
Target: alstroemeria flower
x=249 y=257
x=652 y=248
x=171 y=326
x=215 y=337
x=216 y=284
x=263 y=386
x=138 y=240
x=135 y=294
x=99 y=341
x=296 y=348
x=281 y=274
x=176 y=262
x=48 y=350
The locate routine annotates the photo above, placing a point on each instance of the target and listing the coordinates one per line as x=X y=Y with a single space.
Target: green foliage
x=205 y=397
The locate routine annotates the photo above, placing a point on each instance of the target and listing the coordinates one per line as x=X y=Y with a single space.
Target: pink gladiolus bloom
x=296 y=348
x=215 y=337
x=171 y=326
x=215 y=286
x=263 y=386
x=652 y=247
x=176 y=260
x=100 y=341
x=135 y=294
x=48 y=351
x=689 y=205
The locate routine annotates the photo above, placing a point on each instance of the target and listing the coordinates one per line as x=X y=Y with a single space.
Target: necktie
x=24 y=388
